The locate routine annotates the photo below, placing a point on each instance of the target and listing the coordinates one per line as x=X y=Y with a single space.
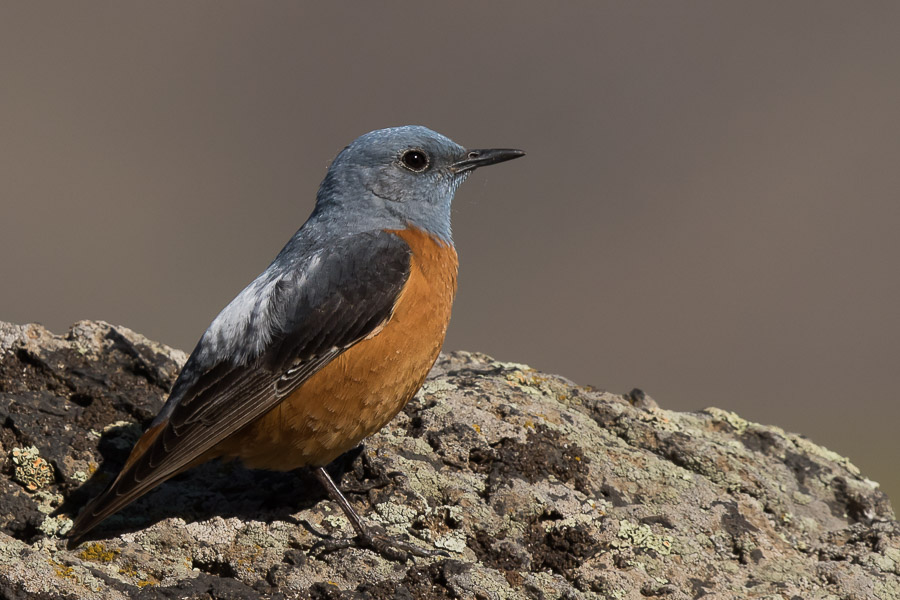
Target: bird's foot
x=391 y=548
x=385 y=545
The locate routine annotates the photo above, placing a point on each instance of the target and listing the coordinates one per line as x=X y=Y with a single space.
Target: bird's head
x=392 y=178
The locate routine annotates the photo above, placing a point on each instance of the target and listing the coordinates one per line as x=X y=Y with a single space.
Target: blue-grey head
x=397 y=177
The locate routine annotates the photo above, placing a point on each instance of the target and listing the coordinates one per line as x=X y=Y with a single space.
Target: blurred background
x=709 y=208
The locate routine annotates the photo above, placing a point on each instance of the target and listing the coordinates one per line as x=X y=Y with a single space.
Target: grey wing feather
x=285 y=326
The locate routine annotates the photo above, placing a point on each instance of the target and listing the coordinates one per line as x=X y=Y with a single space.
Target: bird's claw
x=397 y=549
x=391 y=548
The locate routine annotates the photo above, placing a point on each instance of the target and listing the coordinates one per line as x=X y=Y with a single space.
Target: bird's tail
x=122 y=491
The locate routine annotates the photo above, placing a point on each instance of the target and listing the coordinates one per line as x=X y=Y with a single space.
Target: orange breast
x=360 y=391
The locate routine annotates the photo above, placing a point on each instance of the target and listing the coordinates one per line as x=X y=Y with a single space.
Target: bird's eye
x=415 y=160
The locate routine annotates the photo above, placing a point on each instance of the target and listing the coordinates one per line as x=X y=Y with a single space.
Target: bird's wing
x=285 y=326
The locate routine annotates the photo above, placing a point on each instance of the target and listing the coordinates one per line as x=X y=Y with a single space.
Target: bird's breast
x=358 y=392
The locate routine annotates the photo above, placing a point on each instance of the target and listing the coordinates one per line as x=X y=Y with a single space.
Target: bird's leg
x=391 y=548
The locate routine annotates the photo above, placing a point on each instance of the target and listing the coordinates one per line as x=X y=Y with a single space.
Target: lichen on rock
x=537 y=488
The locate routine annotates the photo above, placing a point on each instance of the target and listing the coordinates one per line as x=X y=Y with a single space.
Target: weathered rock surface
x=536 y=487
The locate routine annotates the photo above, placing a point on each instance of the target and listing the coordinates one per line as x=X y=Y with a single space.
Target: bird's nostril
x=474 y=154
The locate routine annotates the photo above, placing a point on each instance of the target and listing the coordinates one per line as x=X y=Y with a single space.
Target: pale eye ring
x=415 y=159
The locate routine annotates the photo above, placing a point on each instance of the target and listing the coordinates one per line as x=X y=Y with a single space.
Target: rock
x=536 y=487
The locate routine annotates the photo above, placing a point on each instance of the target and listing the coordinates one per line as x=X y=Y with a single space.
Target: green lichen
x=642 y=536
x=737 y=423
x=435 y=386
x=391 y=513
x=31 y=470
x=513 y=366
x=454 y=542
x=56 y=526
x=529 y=381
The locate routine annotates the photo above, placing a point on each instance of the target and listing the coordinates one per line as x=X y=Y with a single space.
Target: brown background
x=708 y=210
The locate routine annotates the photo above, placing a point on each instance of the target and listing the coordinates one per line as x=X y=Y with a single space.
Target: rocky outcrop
x=536 y=487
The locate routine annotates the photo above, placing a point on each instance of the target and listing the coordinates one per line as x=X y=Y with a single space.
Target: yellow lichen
x=133 y=573
x=97 y=552
x=61 y=569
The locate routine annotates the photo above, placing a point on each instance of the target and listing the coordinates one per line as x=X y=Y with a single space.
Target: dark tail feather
x=96 y=511
x=124 y=489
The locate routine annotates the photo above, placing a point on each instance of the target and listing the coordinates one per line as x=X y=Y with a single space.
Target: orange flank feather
x=358 y=392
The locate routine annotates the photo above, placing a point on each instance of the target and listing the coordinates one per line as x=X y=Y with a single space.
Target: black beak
x=482 y=158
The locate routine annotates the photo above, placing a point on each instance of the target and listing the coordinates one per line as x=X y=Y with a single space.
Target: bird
x=331 y=340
